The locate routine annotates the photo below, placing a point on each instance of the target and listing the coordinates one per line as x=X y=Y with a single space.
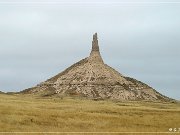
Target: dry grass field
x=33 y=114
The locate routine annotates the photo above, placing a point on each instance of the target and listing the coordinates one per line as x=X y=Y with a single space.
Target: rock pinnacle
x=95 y=55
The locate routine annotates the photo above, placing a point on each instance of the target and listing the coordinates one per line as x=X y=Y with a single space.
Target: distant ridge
x=1 y=92
x=92 y=78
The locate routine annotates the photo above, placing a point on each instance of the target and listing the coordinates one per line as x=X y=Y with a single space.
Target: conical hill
x=92 y=78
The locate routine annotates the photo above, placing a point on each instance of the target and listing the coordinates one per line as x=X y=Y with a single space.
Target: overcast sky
x=39 y=39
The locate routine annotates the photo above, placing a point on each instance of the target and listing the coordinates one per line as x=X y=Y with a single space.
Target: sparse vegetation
x=28 y=113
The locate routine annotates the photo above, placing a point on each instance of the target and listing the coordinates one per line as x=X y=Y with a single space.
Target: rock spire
x=95 y=55
x=95 y=46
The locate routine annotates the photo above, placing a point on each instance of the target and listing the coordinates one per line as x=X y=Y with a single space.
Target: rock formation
x=92 y=78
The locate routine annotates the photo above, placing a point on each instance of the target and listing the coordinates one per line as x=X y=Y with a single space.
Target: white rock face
x=93 y=79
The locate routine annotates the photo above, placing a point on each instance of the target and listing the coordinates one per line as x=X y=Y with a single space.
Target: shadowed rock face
x=93 y=79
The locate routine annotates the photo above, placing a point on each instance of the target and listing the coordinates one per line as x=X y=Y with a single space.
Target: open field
x=24 y=113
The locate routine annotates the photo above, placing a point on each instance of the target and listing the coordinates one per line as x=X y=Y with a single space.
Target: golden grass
x=32 y=114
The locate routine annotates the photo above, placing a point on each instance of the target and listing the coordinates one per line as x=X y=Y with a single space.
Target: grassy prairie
x=27 y=113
